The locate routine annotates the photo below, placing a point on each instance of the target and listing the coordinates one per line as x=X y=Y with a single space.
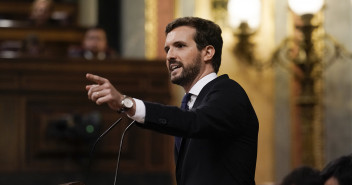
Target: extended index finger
x=95 y=78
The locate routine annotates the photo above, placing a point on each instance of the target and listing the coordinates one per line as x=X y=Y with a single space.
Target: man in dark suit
x=216 y=128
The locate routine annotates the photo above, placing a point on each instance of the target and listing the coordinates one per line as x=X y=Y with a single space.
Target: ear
x=209 y=52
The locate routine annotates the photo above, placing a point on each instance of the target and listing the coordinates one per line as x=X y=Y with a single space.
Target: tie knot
x=186 y=97
x=185 y=100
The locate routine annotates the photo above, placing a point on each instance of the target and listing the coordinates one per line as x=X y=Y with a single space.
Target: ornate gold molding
x=219 y=12
x=151 y=28
x=318 y=124
x=310 y=101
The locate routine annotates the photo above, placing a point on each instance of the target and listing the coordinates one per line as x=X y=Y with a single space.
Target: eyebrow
x=175 y=43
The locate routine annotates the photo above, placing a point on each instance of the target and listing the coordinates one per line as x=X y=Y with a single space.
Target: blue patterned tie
x=184 y=106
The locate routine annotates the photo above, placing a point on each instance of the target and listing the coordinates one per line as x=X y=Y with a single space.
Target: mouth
x=174 y=66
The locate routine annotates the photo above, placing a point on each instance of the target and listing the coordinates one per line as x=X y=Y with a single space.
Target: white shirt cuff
x=139 y=116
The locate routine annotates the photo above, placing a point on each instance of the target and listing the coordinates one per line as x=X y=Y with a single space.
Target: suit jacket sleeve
x=222 y=109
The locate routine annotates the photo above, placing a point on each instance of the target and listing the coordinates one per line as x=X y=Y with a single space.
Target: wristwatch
x=126 y=104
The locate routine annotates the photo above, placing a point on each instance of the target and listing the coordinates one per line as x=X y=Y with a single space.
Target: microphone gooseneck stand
x=95 y=143
x=120 y=148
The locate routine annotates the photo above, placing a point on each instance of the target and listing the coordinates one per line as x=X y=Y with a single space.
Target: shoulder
x=223 y=82
x=223 y=89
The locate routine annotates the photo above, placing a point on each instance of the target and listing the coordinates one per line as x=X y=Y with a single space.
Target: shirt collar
x=195 y=90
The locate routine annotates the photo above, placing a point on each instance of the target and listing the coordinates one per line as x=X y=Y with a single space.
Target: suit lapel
x=198 y=101
x=185 y=141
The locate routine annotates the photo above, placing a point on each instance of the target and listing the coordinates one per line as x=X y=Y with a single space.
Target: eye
x=166 y=49
x=180 y=45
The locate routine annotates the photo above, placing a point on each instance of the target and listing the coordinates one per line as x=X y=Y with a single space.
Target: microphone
x=102 y=135
x=120 y=148
x=97 y=140
x=119 y=153
x=92 y=150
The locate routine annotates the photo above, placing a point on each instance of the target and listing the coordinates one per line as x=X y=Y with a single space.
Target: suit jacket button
x=162 y=121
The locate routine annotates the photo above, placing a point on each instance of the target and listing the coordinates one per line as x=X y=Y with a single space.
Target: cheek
x=189 y=57
x=167 y=66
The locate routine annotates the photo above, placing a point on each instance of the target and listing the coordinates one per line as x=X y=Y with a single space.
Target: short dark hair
x=207 y=33
x=303 y=175
x=340 y=168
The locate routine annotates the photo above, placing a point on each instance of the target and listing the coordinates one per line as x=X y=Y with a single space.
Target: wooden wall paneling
x=49 y=89
x=10 y=133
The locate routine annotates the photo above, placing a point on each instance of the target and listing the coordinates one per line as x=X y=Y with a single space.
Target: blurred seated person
x=338 y=171
x=94 y=46
x=41 y=12
x=303 y=175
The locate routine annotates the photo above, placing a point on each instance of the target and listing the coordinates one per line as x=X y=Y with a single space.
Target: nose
x=171 y=55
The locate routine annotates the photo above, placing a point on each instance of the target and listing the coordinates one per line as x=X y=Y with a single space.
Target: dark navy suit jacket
x=220 y=135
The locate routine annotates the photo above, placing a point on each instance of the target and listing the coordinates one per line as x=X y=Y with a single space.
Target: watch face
x=128 y=103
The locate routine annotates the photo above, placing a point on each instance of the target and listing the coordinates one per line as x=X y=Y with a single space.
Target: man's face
x=95 y=41
x=183 y=59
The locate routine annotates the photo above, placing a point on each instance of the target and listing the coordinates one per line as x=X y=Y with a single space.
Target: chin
x=174 y=77
x=178 y=81
x=174 y=80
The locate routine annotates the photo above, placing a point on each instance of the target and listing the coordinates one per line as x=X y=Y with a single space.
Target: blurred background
x=293 y=57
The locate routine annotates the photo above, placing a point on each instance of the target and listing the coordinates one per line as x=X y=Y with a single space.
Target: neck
x=188 y=87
